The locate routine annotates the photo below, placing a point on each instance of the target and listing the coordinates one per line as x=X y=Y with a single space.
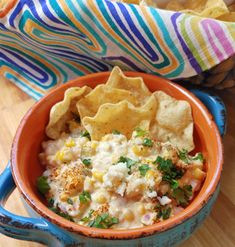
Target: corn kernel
x=70 y=143
x=64 y=197
x=140 y=150
x=128 y=215
x=150 y=174
x=199 y=174
x=98 y=176
x=101 y=199
x=136 y=150
x=60 y=155
x=141 y=209
x=94 y=145
x=64 y=155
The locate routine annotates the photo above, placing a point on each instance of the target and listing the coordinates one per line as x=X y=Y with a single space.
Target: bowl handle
x=216 y=107
x=30 y=229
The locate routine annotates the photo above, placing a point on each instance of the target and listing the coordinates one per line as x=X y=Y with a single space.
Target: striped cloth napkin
x=48 y=42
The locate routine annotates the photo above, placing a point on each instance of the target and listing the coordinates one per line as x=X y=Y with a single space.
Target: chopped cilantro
x=66 y=216
x=129 y=162
x=140 y=132
x=116 y=132
x=87 y=218
x=182 y=195
x=143 y=169
x=86 y=162
x=164 y=212
x=164 y=166
x=85 y=134
x=170 y=172
x=199 y=156
x=103 y=221
x=62 y=214
x=91 y=212
x=173 y=183
x=183 y=155
x=42 y=185
x=147 y=142
x=114 y=220
x=51 y=202
x=70 y=201
x=85 y=197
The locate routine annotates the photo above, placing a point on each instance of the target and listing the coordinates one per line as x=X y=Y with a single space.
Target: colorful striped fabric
x=48 y=42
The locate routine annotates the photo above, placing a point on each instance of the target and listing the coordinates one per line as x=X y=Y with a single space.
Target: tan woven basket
x=220 y=77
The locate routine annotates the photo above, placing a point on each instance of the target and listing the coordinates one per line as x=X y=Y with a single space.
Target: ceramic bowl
x=46 y=227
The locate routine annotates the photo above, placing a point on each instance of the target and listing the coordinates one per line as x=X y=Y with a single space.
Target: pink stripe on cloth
x=218 y=39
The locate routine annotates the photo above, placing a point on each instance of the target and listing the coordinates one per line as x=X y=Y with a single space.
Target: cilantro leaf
x=42 y=185
x=66 y=216
x=183 y=195
x=164 y=212
x=129 y=162
x=91 y=223
x=143 y=169
x=199 y=156
x=87 y=218
x=169 y=171
x=164 y=166
x=86 y=162
x=70 y=201
x=173 y=183
x=183 y=155
x=103 y=221
x=85 y=197
x=147 y=142
x=91 y=212
x=62 y=214
x=114 y=220
x=140 y=132
x=85 y=134
x=51 y=202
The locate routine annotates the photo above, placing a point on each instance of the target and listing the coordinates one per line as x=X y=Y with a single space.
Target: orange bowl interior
x=27 y=144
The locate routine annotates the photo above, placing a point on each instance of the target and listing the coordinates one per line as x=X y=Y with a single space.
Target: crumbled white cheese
x=115 y=178
x=164 y=200
x=151 y=194
x=135 y=186
x=138 y=141
x=148 y=219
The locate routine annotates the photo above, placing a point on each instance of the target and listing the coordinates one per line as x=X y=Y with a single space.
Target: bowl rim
x=192 y=209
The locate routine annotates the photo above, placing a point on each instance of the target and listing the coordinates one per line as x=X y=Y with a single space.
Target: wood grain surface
x=219 y=228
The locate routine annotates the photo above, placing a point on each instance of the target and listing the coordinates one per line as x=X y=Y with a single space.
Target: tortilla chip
x=173 y=121
x=122 y=116
x=140 y=2
x=102 y=94
x=135 y=85
x=181 y=140
x=63 y=111
x=203 y=8
x=228 y=17
x=123 y=104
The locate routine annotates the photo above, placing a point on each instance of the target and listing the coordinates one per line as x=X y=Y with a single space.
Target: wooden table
x=219 y=228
